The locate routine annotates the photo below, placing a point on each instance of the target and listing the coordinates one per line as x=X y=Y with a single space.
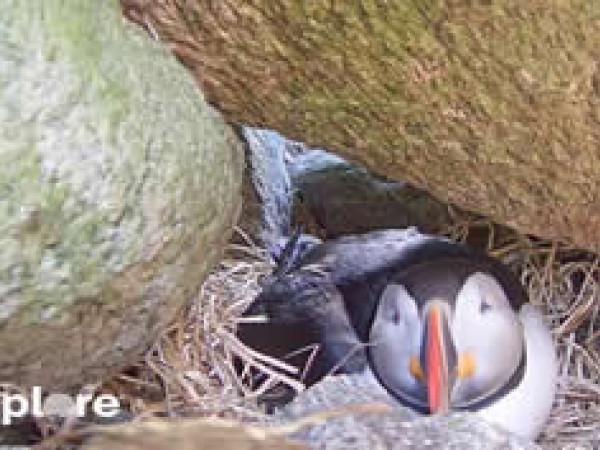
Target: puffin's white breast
x=526 y=408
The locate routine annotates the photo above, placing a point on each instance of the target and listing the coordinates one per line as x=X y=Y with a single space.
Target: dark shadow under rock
x=289 y=184
x=346 y=199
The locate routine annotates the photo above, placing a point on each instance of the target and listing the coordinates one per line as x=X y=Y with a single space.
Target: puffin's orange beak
x=436 y=362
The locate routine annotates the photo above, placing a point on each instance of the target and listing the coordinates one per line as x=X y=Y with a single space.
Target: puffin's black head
x=445 y=336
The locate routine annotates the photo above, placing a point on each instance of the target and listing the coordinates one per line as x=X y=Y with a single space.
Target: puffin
x=440 y=326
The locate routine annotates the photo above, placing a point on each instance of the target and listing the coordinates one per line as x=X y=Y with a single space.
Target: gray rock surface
x=272 y=186
x=119 y=186
x=398 y=428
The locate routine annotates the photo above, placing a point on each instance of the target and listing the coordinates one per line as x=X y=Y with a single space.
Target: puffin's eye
x=484 y=307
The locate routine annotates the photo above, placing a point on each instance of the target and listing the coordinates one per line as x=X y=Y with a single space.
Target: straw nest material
x=190 y=369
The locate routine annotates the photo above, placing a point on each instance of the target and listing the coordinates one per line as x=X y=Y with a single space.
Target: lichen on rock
x=119 y=187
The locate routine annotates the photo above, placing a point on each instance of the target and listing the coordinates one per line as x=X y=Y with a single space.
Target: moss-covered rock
x=493 y=106
x=118 y=189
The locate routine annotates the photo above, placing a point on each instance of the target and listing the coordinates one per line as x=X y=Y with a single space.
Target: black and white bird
x=440 y=326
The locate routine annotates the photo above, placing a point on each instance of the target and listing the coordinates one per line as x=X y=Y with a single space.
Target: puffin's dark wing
x=354 y=258
x=307 y=326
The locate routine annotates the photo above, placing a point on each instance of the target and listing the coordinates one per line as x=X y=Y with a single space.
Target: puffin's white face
x=450 y=353
x=488 y=338
x=396 y=340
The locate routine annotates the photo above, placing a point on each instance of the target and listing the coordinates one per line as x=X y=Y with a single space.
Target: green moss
x=79 y=28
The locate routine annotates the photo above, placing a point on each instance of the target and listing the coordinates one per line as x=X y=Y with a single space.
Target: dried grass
x=192 y=362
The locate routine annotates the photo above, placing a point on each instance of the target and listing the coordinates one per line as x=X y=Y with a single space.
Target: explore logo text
x=16 y=405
